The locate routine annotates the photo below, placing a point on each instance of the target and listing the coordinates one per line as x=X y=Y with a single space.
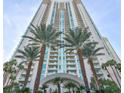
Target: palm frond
x=20 y=56
x=70 y=50
x=69 y=40
x=22 y=53
x=100 y=54
x=98 y=49
x=35 y=33
x=29 y=53
x=31 y=38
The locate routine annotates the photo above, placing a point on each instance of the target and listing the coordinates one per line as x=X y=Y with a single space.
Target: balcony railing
x=71 y=68
x=21 y=79
x=53 y=63
x=54 y=68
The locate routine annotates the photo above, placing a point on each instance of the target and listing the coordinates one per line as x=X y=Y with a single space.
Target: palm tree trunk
x=69 y=91
x=80 y=55
x=45 y=91
x=17 y=72
x=4 y=78
x=37 y=80
x=94 y=72
x=9 y=80
x=59 y=90
x=27 y=73
x=109 y=74
x=116 y=77
x=117 y=72
x=73 y=90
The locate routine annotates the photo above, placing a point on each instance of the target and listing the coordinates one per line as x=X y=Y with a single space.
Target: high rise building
x=111 y=51
x=66 y=14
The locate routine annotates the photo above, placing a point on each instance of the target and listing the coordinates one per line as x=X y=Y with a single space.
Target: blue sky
x=19 y=13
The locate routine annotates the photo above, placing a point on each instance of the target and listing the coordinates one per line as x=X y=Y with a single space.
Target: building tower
x=66 y=14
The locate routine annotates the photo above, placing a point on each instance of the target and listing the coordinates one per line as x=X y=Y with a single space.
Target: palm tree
x=9 y=69
x=8 y=65
x=77 y=38
x=118 y=66
x=39 y=91
x=112 y=64
x=80 y=88
x=6 y=68
x=104 y=66
x=44 y=86
x=20 y=67
x=92 y=84
x=29 y=54
x=71 y=85
x=13 y=88
x=26 y=90
x=44 y=37
x=17 y=88
x=7 y=89
x=57 y=81
x=55 y=91
x=13 y=76
x=92 y=52
x=109 y=86
x=68 y=86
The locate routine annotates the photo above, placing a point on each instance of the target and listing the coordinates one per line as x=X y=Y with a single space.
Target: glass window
x=44 y=66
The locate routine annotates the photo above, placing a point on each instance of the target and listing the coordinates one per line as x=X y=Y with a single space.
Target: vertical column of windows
x=70 y=16
x=46 y=60
x=53 y=13
x=71 y=21
x=47 y=51
x=88 y=22
x=61 y=50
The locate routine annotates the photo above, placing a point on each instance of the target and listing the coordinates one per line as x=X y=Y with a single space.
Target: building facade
x=63 y=15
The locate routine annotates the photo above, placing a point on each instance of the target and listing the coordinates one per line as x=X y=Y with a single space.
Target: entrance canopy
x=62 y=75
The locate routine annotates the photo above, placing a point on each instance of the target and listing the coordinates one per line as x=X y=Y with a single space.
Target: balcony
x=95 y=63
x=28 y=63
x=71 y=68
x=53 y=59
x=52 y=56
x=99 y=72
x=53 y=63
x=96 y=66
x=50 y=73
x=24 y=73
x=22 y=79
x=53 y=52
x=70 y=54
x=54 y=68
x=26 y=67
x=70 y=63
x=72 y=73
x=70 y=58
